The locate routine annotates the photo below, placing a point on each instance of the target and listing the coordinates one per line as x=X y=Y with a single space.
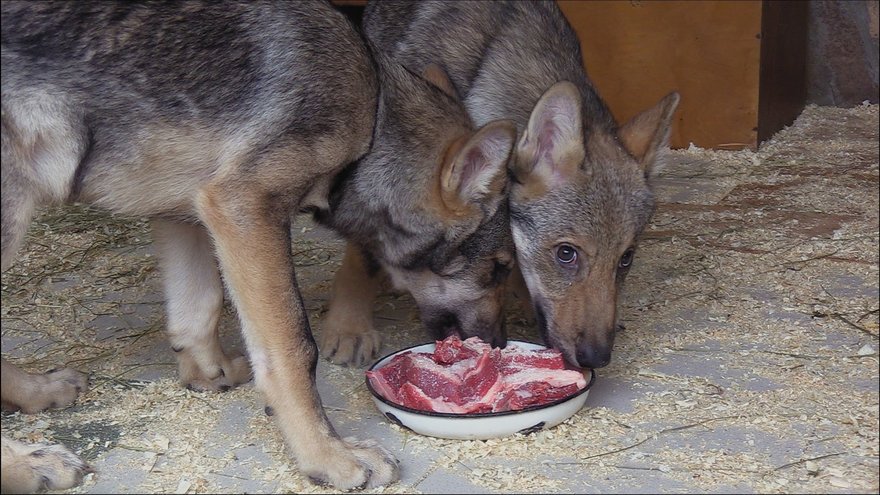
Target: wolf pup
x=218 y=121
x=580 y=195
x=439 y=225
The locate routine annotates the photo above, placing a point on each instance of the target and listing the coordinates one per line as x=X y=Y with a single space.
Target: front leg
x=194 y=301
x=348 y=336
x=251 y=234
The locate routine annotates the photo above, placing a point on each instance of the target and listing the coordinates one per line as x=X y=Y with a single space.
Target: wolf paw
x=349 y=348
x=54 y=389
x=224 y=374
x=355 y=465
x=29 y=468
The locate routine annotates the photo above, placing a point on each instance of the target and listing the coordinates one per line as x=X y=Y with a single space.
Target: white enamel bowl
x=479 y=426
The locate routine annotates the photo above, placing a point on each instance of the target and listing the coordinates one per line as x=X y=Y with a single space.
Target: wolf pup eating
x=580 y=193
x=217 y=121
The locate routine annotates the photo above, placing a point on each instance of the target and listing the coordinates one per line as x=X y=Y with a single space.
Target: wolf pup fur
x=217 y=121
x=580 y=193
x=439 y=226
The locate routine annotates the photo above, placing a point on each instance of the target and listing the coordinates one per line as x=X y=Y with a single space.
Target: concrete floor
x=749 y=362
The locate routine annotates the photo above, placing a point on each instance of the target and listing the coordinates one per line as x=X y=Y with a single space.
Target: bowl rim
x=435 y=414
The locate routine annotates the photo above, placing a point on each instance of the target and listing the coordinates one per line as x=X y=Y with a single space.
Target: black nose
x=593 y=356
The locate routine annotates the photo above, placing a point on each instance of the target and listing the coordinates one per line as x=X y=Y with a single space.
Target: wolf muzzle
x=442 y=324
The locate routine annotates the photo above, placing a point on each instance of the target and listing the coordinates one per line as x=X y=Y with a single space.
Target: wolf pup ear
x=435 y=75
x=647 y=134
x=552 y=146
x=476 y=172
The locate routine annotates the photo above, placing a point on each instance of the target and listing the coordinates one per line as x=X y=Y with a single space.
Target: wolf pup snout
x=441 y=323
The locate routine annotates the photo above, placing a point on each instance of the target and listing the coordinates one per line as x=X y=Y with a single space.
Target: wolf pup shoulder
x=581 y=191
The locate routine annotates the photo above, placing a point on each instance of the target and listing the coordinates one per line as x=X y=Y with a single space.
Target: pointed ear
x=476 y=173
x=435 y=75
x=647 y=134
x=552 y=146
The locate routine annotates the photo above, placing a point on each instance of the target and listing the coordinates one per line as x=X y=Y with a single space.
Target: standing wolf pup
x=580 y=195
x=217 y=121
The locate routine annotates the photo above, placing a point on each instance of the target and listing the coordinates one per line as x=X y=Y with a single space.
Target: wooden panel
x=709 y=51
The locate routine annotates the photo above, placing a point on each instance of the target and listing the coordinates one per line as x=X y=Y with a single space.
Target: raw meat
x=469 y=376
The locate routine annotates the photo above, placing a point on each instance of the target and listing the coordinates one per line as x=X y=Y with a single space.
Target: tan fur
x=33 y=393
x=438 y=77
x=253 y=248
x=447 y=191
x=31 y=468
x=439 y=201
x=596 y=304
x=458 y=201
x=644 y=134
x=539 y=171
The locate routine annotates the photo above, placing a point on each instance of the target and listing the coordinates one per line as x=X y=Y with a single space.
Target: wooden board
x=636 y=52
x=709 y=51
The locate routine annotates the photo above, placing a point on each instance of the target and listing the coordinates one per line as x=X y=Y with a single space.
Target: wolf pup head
x=435 y=192
x=579 y=201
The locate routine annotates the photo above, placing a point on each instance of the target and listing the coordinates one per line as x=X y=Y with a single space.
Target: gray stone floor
x=749 y=362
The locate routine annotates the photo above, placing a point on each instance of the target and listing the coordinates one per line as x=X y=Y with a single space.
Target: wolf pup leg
x=31 y=468
x=347 y=334
x=252 y=238
x=194 y=295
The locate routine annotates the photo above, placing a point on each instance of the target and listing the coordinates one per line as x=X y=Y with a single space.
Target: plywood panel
x=709 y=51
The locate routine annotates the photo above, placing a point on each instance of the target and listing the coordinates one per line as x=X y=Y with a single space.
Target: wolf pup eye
x=566 y=254
x=626 y=259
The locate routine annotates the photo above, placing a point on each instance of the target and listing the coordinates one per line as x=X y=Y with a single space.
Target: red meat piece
x=413 y=397
x=482 y=376
x=453 y=349
x=434 y=380
x=517 y=358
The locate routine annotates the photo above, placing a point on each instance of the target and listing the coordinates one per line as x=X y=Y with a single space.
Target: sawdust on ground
x=714 y=263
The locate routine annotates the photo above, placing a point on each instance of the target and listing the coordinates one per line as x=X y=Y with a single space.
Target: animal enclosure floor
x=749 y=361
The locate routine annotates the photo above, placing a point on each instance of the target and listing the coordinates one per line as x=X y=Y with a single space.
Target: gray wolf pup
x=580 y=193
x=439 y=226
x=218 y=121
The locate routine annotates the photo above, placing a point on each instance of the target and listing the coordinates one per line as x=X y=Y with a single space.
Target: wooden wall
x=715 y=53
x=636 y=52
